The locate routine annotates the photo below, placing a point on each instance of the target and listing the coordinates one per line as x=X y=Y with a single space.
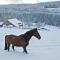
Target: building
x=13 y=23
x=1 y=24
x=8 y=24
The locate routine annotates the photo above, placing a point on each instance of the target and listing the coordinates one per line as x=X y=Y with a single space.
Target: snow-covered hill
x=48 y=48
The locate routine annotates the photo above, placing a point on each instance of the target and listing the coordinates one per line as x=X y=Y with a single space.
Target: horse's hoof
x=5 y=49
x=25 y=52
x=14 y=50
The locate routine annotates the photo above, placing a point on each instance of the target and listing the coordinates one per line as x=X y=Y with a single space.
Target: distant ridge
x=32 y=12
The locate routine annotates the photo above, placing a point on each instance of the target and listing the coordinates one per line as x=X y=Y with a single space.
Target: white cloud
x=29 y=1
x=10 y=1
x=46 y=0
x=22 y=1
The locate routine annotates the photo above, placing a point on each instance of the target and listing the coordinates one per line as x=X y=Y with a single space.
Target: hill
x=48 y=12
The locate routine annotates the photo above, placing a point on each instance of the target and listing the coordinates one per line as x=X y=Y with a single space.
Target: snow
x=1 y=23
x=47 y=48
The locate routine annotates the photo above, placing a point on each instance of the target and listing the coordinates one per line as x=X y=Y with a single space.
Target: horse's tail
x=5 y=44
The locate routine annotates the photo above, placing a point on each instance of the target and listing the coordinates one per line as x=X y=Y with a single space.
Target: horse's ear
x=35 y=29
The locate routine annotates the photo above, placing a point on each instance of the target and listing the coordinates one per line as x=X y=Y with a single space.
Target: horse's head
x=36 y=33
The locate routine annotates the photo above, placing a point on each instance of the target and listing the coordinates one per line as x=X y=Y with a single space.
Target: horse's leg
x=24 y=48
x=13 y=47
x=8 y=47
x=5 y=46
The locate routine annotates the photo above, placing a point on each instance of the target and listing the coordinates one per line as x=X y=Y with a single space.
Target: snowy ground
x=48 y=48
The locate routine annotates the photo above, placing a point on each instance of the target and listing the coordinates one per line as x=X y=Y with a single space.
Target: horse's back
x=9 y=38
x=16 y=40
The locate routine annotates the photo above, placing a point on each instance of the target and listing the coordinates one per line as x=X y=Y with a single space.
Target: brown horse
x=21 y=40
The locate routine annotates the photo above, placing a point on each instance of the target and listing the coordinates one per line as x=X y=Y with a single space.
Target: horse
x=21 y=40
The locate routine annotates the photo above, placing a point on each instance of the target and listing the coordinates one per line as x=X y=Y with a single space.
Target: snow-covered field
x=48 y=48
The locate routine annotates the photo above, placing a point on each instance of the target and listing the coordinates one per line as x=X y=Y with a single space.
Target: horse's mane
x=28 y=33
x=32 y=30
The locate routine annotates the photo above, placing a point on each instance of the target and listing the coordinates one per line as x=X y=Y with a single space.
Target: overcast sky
x=23 y=1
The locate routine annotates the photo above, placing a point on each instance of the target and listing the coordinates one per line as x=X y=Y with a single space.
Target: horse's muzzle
x=39 y=37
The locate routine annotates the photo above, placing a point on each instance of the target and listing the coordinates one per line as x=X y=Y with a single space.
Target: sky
x=23 y=1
